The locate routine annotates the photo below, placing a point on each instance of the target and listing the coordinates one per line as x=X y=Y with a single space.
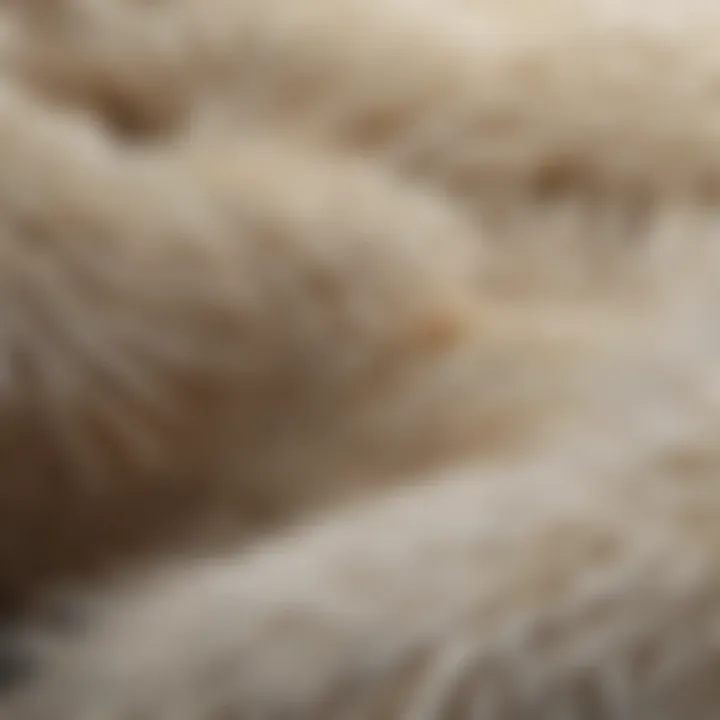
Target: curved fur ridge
x=456 y=260
x=153 y=335
x=581 y=580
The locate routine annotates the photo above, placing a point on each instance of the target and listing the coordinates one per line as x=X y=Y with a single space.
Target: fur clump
x=370 y=348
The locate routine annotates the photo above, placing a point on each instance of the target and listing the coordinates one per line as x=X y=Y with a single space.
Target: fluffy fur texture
x=424 y=292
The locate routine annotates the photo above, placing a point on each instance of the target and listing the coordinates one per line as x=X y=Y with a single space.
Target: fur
x=360 y=358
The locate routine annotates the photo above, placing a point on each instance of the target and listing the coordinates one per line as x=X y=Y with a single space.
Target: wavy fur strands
x=582 y=586
x=159 y=337
x=423 y=292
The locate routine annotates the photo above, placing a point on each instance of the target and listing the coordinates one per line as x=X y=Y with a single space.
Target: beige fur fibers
x=371 y=348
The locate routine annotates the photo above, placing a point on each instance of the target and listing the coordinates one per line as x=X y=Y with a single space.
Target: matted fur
x=423 y=291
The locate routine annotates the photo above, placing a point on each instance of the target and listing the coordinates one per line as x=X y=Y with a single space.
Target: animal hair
x=358 y=358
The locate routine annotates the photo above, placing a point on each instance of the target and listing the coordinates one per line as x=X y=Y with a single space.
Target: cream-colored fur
x=423 y=291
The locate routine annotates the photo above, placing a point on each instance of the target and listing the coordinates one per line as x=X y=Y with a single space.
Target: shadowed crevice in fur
x=17 y=661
